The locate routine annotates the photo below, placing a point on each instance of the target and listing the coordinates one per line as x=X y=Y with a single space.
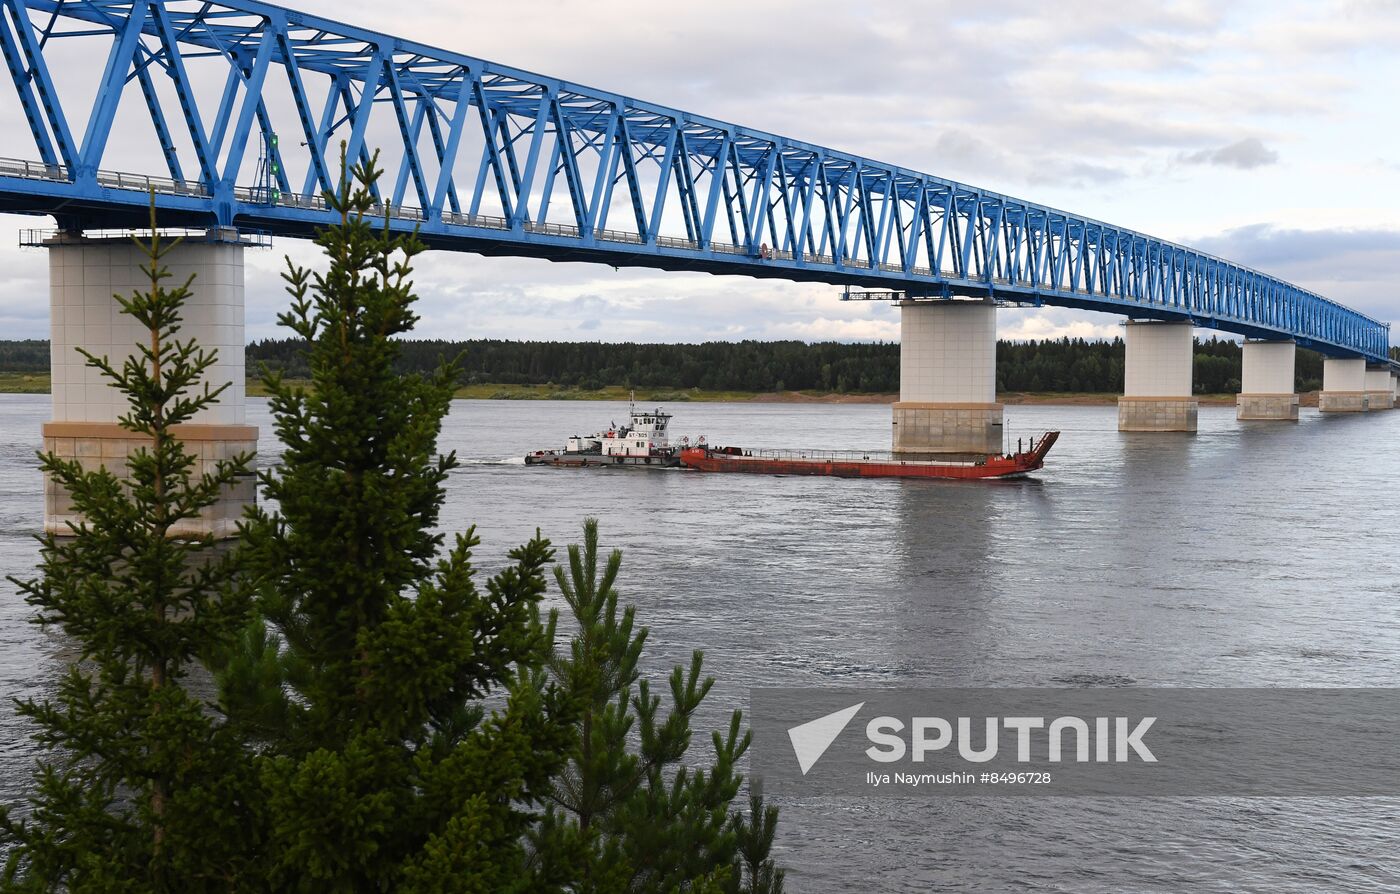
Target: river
x=1248 y=554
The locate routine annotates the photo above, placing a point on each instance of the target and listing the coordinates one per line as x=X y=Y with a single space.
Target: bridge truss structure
x=244 y=107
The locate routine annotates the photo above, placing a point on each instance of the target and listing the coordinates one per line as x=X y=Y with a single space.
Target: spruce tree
x=405 y=736
x=141 y=787
x=634 y=808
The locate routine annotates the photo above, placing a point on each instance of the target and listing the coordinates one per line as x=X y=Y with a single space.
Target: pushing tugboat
x=641 y=442
x=865 y=464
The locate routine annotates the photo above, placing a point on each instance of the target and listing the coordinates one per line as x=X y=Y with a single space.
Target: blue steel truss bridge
x=234 y=113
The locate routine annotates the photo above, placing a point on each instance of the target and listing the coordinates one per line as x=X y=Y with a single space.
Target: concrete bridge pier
x=1343 y=385
x=1157 y=377
x=947 y=380
x=1267 y=381
x=84 y=273
x=1378 y=393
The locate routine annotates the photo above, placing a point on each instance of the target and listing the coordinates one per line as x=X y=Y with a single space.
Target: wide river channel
x=1248 y=554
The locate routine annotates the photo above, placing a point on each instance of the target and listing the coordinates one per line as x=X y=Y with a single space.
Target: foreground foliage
x=140 y=781
x=364 y=677
x=633 y=808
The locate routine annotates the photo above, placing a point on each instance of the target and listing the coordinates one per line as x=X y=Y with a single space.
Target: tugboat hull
x=595 y=460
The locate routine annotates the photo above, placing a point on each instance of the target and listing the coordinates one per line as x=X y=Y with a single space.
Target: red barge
x=865 y=464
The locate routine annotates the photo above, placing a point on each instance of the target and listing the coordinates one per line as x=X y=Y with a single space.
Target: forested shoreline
x=1055 y=365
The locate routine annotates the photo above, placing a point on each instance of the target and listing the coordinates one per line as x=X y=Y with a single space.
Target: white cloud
x=1244 y=154
x=827 y=329
x=1034 y=325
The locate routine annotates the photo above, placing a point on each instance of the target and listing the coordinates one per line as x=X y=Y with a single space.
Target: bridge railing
x=32 y=170
x=147 y=184
x=485 y=221
x=40 y=237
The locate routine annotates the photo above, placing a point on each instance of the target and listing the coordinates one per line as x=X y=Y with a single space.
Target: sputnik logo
x=810 y=740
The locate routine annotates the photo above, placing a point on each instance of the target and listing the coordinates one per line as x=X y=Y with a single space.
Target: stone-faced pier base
x=951 y=428
x=1157 y=413
x=1282 y=407
x=96 y=444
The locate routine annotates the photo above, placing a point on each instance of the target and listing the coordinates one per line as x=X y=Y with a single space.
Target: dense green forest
x=28 y=356
x=1053 y=365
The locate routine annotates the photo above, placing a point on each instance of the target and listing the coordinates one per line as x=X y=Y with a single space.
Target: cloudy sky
x=1261 y=131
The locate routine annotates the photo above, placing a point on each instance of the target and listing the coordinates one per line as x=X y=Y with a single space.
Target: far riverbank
x=38 y=383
